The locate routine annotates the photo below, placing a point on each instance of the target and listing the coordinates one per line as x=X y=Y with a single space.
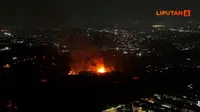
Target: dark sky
x=96 y=12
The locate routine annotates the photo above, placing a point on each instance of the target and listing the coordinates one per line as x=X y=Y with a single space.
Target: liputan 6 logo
x=185 y=13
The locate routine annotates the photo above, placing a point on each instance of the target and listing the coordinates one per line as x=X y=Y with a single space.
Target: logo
x=185 y=13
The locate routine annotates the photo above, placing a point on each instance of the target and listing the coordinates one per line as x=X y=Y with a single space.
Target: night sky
x=90 y=12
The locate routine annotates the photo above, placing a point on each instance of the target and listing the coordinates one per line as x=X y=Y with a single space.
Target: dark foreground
x=82 y=93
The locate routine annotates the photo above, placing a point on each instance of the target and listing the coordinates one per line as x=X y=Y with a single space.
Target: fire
x=85 y=56
x=101 y=70
x=97 y=69
x=44 y=80
x=72 y=72
x=6 y=66
x=92 y=64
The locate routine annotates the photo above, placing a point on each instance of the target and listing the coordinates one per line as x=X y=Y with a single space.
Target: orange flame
x=101 y=70
x=72 y=72
x=44 y=80
x=6 y=66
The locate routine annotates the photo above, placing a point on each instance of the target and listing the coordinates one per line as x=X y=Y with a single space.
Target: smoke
x=84 y=55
